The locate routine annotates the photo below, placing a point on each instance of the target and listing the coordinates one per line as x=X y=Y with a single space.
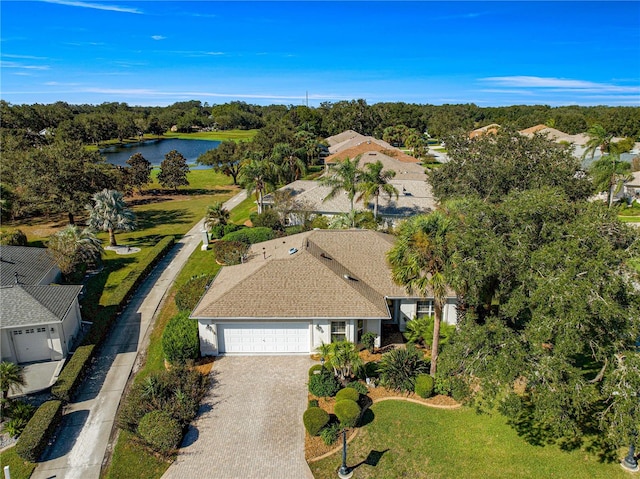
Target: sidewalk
x=86 y=426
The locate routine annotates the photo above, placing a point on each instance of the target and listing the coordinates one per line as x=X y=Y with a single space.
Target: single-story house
x=40 y=320
x=292 y=294
x=414 y=193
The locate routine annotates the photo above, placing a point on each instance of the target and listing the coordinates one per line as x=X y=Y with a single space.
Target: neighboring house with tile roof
x=414 y=193
x=292 y=294
x=40 y=320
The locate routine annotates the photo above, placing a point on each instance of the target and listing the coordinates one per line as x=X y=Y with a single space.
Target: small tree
x=139 y=171
x=71 y=247
x=11 y=379
x=173 y=170
x=110 y=213
x=217 y=214
x=343 y=357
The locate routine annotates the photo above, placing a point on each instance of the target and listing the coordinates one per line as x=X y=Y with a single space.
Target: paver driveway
x=250 y=426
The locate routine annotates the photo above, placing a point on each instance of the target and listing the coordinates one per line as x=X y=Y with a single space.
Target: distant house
x=40 y=320
x=414 y=193
x=491 y=129
x=294 y=293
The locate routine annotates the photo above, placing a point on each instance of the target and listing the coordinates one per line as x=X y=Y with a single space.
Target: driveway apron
x=250 y=423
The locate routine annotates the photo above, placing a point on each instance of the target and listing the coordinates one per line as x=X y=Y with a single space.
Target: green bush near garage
x=314 y=419
x=40 y=428
x=180 y=340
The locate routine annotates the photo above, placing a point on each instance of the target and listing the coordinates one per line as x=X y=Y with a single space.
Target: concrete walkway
x=83 y=437
x=250 y=423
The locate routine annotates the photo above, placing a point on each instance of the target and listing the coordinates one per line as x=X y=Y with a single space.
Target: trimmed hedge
x=35 y=436
x=347 y=412
x=180 y=340
x=348 y=393
x=189 y=294
x=74 y=370
x=160 y=431
x=424 y=385
x=250 y=235
x=218 y=231
x=314 y=420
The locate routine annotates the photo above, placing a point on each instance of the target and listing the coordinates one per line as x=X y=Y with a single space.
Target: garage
x=31 y=344
x=264 y=338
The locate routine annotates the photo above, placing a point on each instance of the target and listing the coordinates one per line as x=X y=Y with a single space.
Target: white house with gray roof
x=294 y=293
x=39 y=320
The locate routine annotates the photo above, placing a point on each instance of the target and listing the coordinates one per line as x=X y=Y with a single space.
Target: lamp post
x=344 y=472
x=630 y=463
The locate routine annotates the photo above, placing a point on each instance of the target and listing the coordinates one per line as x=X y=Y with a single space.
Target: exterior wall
x=320 y=333
x=208 y=337
x=68 y=332
x=7 y=347
x=450 y=313
x=408 y=311
x=374 y=326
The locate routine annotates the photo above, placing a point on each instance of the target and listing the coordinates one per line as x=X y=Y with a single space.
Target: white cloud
x=23 y=57
x=558 y=84
x=4 y=64
x=158 y=37
x=96 y=6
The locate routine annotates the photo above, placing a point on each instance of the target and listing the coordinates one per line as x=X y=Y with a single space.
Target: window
x=360 y=331
x=42 y=330
x=425 y=308
x=19 y=331
x=29 y=331
x=338 y=331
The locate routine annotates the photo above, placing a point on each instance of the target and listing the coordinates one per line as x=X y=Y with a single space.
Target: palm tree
x=256 y=176
x=346 y=176
x=289 y=165
x=110 y=213
x=217 y=214
x=420 y=260
x=72 y=246
x=11 y=379
x=374 y=182
x=609 y=173
x=598 y=138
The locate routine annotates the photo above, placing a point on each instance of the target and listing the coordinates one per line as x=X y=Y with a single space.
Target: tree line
x=96 y=123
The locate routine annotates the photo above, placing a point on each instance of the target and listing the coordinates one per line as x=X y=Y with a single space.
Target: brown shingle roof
x=365 y=147
x=309 y=283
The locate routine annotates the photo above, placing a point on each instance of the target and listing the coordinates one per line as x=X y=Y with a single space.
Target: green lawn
x=240 y=213
x=222 y=135
x=18 y=468
x=134 y=460
x=407 y=440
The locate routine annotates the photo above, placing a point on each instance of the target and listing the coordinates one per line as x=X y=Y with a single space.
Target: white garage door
x=32 y=344
x=279 y=338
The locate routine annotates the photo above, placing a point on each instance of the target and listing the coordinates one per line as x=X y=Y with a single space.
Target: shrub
x=314 y=420
x=320 y=222
x=324 y=384
x=370 y=369
x=267 y=219
x=180 y=340
x=358 y=386
x=15 y=426
x=315 y=369
x=313 y=403
x=73 y=373
x=369 y=340
x=35 y=436
x=218 y=231
x=347 y=412
x=330 y=433
x=190 y=293
x=160 y=431
x=399 y=368
x=21 y=410
x=420 y=330
x=294 y=230
x=250 y=235
x=424 y=385
x=229 y=252
x=13 y=238
x=348 y=393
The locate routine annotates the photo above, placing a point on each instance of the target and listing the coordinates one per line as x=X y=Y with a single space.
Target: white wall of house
x=69 y=330
x=208 y=337
x=7 y=349
x=408 y=310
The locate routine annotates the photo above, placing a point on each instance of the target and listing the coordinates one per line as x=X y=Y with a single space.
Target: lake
x=154 y=150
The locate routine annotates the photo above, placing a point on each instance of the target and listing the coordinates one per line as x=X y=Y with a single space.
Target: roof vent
x=350 y=278
x=325 y=256
x=293 y=250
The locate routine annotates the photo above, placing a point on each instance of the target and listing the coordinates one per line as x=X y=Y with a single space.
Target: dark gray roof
x=26 y=305
x=31 y=264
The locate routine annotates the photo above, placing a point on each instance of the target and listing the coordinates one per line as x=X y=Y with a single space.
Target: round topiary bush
x=180 y=340
x=348 y=393
x=358 y=386
x=324 y=384
x=424 y=385
x=229 y=252
x=190 y=293
x=347 y=412
x=314 y=420
x=315 y=369
x=160 y=431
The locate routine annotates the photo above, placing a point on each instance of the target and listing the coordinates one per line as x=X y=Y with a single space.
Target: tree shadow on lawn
x=153 y=218
x=372 y=459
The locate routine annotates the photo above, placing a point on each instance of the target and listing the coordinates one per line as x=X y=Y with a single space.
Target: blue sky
x=160 y=52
